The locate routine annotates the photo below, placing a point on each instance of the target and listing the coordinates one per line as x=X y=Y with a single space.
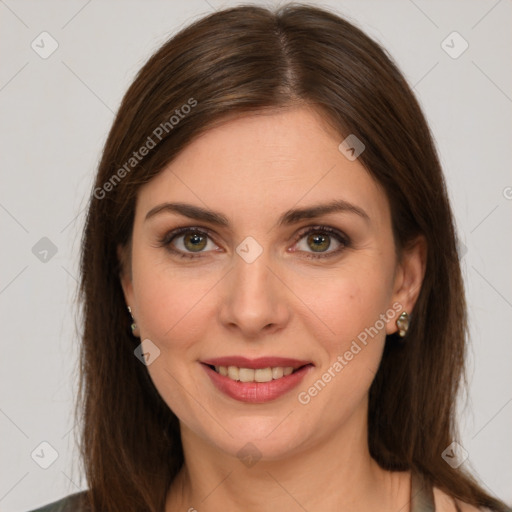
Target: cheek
x=347 y=301
x=171 y=303
x=350 y=307
x=349 y=332
x=175 y=311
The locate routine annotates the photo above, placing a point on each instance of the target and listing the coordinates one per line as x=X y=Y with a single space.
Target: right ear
x=125 y=273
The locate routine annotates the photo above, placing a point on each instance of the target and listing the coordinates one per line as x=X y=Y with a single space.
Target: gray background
x=56 y=113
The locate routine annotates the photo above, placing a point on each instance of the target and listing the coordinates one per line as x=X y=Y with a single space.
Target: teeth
x=263 y=375
x=277 y=373
x=252 y=375
x=233 y=372
x=246 y=375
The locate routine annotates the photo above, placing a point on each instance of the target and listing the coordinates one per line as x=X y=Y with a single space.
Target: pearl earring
x=403 y=324
x=134 y=325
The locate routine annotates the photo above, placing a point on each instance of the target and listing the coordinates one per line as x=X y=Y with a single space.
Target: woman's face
x=255 y=273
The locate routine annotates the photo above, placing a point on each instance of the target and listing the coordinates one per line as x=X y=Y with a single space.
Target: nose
x=254 y=299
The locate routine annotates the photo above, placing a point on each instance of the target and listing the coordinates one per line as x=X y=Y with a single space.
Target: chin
x=265 y=438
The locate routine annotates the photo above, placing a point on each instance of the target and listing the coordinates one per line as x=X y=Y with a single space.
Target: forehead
x=260 y=165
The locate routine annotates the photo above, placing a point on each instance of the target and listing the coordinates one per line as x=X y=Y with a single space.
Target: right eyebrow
x=191 y=211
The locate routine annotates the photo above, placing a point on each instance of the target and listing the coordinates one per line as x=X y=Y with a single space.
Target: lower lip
x=256 y=392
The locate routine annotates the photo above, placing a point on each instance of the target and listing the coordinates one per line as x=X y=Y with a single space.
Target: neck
x=337 y=473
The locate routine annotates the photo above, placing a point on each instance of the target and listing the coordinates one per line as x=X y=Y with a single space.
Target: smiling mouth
x=261 y=375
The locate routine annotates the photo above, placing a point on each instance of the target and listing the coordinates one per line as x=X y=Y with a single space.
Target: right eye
x=184 y=242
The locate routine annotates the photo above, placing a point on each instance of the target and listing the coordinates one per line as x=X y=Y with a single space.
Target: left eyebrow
x=290 y=217
x=297 y=214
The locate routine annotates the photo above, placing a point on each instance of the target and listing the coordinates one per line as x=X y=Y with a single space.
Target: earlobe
x=408 y=280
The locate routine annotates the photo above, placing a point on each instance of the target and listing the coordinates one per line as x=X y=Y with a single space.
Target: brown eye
x=194 y=242
x=188 y=242
x=319 y=242
x=322 y=240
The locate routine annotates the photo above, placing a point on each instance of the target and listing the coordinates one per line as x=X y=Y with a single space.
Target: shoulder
x=445 y=503
x=72 y=503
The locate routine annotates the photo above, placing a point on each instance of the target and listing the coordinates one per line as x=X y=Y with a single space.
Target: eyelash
x=340 y=237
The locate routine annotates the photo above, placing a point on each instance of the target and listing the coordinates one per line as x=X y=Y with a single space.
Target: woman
x=274 y=310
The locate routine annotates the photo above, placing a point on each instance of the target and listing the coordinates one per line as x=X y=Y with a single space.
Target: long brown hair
x=242 y=60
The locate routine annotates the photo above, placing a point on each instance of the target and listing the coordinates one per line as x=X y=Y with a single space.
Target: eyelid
x=170 y=235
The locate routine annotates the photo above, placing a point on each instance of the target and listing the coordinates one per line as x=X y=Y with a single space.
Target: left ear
x=409 y=276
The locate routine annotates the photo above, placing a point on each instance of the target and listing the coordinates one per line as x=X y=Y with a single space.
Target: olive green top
x=422 y=499
x=71 y=503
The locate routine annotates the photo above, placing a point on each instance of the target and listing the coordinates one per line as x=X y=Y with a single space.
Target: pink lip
x=256 y=392
x=260 y=362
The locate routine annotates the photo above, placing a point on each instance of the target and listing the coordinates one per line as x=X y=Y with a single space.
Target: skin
x=252 y=169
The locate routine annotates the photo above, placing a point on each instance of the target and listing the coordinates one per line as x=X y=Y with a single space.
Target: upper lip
x=260 y=362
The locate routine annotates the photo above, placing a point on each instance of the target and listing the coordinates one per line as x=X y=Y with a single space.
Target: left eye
x=317 y=242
